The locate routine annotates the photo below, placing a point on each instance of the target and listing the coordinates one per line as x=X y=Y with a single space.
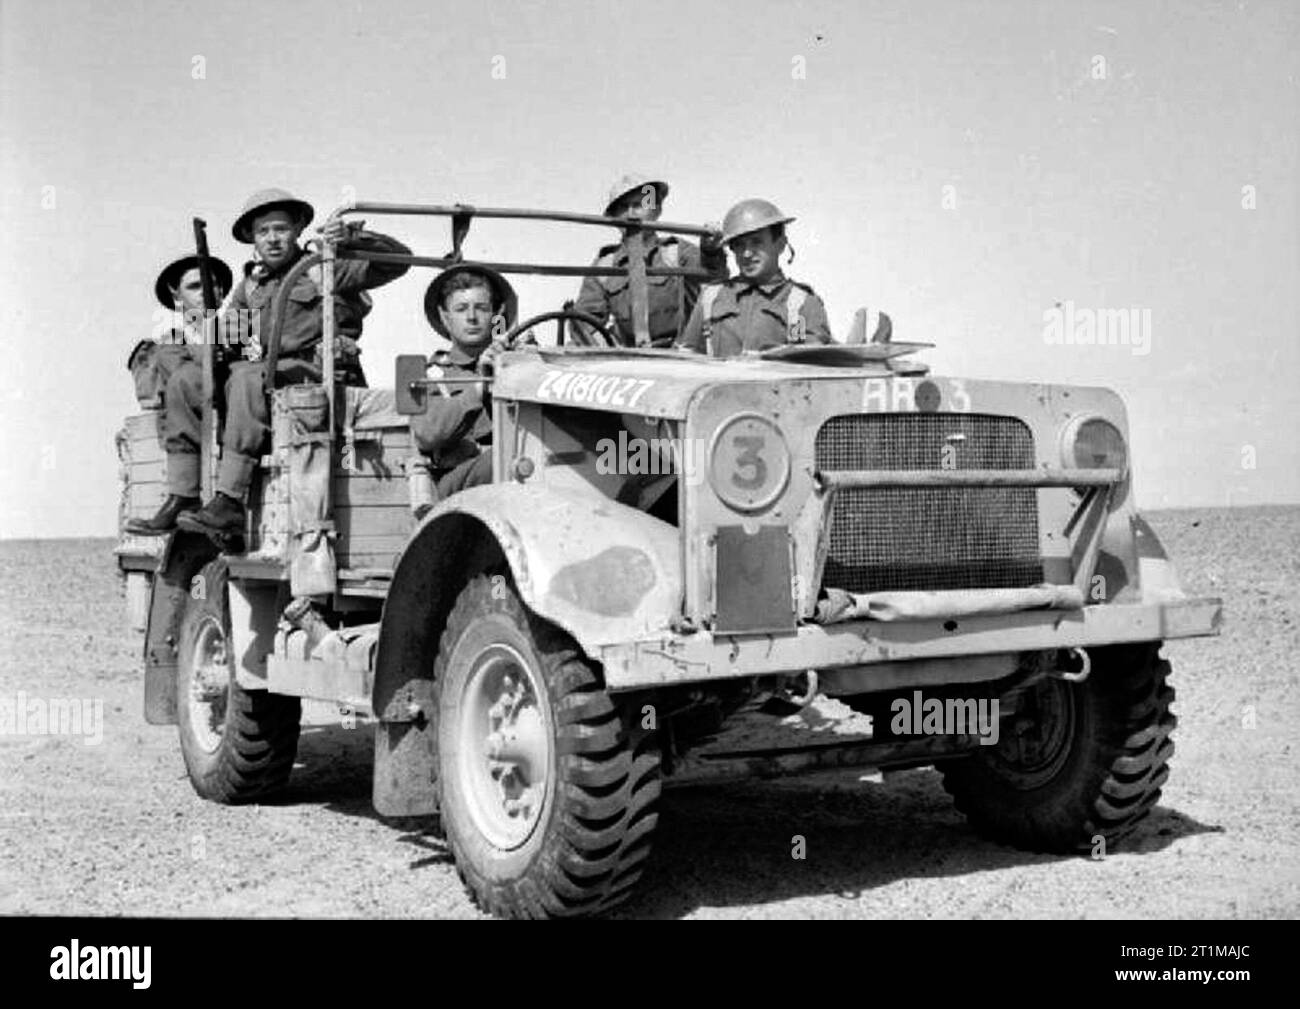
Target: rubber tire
x=594 y=835
x=1117 y=761
x=260 y=737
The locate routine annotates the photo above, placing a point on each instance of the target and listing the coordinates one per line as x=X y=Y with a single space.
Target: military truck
x=671 y=539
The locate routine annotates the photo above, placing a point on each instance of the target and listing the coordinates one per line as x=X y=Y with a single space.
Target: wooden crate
x=143 y=487
x=371 y=496
x=369 y=490
x=146 y=465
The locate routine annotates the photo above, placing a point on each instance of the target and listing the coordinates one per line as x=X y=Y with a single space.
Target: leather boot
x=221 y=520
x=165 y=521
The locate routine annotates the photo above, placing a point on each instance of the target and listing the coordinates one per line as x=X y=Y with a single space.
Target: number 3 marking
x=749 y=458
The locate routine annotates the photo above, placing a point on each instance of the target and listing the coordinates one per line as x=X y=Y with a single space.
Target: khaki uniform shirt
x=670 y=298
x=747 y=318
x=153 y=361
x=457 y=423
x=303 y=319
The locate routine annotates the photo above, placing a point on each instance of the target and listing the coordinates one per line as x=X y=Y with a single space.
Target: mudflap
x=405 y=769
x=182 y=558
x=406 y=753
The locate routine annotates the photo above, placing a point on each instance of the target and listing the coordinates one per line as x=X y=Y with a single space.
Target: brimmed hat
x=173 y=272
x=269 y=199
x=633 y=182
x=504 y=298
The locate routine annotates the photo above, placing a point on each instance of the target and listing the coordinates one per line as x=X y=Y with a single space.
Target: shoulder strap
x=793 y=306
x=708 y=295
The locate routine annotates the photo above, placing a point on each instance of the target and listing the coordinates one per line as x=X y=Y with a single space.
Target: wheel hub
x=209 y=692
x=507 y=767
x=1035 y=742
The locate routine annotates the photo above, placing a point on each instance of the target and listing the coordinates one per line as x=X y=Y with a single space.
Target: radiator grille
x=930 y=537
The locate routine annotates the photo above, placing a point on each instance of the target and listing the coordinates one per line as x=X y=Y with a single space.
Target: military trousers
x=470 y=473
x=248 y=419
x=182 y=422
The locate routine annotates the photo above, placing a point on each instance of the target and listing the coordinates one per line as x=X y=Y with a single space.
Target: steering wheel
x=606 y=336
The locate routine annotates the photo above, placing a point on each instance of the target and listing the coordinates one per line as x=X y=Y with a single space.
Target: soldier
x=471 y=306
x=761 y=307
x=272 y=221
x=636 y=198
x=174 y=368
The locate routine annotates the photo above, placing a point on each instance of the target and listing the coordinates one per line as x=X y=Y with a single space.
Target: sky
x=964 y=167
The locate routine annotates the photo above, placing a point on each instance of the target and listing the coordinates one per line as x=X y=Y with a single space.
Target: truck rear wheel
x=548 y=787
x=238 y=744
x=1077 y=761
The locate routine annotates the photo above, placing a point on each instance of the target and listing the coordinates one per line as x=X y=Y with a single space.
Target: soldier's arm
x=361 y=274
x=711 y=258
x=448 y=419
x=592 y=297
x=692 y=337
x=236 y=301
x=817 y=328
x=235 y=326
x=693 y=258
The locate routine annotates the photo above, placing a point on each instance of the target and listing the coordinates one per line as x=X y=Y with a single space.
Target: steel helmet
x=504 y=299
x=269 y=199
x=751 y=215
x=632 y=182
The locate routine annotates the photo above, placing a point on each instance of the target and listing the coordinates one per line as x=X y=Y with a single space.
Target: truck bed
x=370 y=496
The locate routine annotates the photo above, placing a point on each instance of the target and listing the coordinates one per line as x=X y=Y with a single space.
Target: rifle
x=213 y=362
x=205 y=267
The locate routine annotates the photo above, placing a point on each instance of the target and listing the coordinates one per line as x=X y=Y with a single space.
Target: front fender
x=602 y=571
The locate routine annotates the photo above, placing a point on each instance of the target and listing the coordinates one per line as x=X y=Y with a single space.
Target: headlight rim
x=1069 y=441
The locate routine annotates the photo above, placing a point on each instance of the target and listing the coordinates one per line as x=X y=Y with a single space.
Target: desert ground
x=114 y=828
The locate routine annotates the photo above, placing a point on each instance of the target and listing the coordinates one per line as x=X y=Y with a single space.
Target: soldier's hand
x=337 y=230
x=487 y=361
x=711 y=244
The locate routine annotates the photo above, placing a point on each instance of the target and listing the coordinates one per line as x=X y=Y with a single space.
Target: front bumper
x=669 y=658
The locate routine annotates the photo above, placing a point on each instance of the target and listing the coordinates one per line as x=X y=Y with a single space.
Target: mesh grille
x=886 y=538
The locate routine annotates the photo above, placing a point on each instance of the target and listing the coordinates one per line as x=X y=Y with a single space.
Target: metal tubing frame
x=463 y=214
x=521 y=214
x=517 y=214
x=1048 y=476
x=543 y=270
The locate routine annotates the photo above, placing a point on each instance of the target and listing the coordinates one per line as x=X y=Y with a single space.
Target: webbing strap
x=707 y=297
x=793 y=321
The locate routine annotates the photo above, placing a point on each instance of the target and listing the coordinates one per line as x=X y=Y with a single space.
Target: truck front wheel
x=238 y=744
x=1076 y=762
x=548 y=787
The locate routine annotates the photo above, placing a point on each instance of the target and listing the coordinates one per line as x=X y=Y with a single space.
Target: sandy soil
x=114 y=828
